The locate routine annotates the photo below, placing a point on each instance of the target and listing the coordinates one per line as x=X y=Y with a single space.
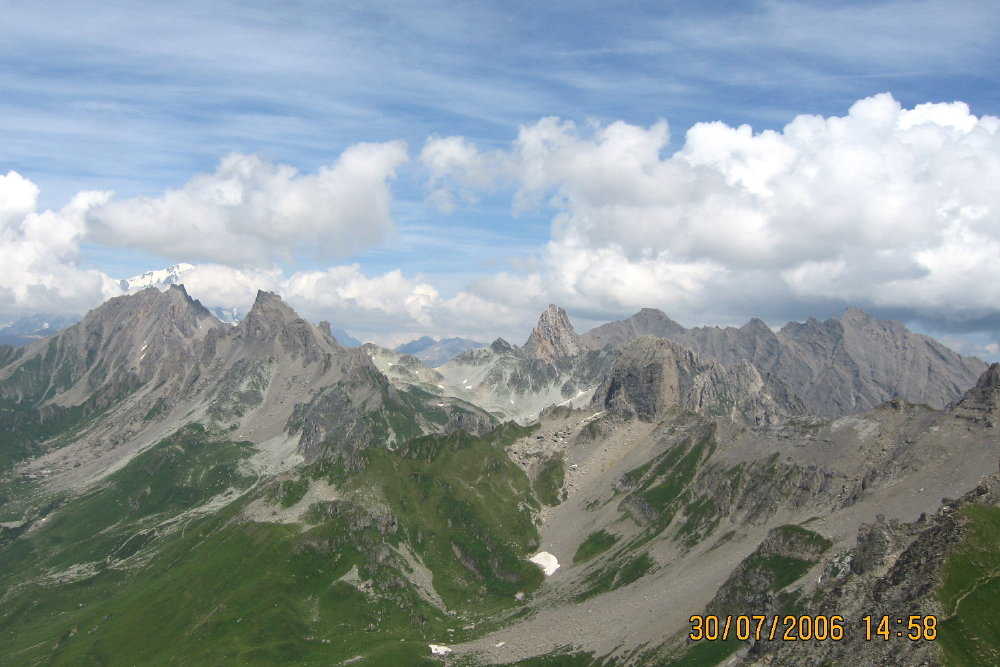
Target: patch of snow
x=439 y=649
x=160 y=279
x=546 y=561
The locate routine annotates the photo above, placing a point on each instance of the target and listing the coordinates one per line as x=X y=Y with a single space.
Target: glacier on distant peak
x=160 y=278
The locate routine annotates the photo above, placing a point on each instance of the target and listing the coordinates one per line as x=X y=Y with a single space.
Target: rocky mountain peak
x=553 y=338
x=990 y=380
x=647 y=322
x=500 y=346
x=268 y=315
x=172 y=308
x=652 y=375
x=758 y=326
x=855 y=316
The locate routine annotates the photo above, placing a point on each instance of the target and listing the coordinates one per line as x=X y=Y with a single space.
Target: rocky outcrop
x=840 y=366
x=518 y=383
x=647 y=322
x=895 y=570
x=553 y=338
x=982 y=402
x=783 y=557
x=652 y=375
x=8 y=353
x=125 y=343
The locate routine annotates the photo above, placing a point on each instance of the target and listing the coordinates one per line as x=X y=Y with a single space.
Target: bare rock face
x=552 y=368
x=841 y=366
x=553 y=338
x=647 y=322
x=500 y=346
x=982 y=402
x=153 y=361
x=117 y=347
x=652 y=375
x=8 y=353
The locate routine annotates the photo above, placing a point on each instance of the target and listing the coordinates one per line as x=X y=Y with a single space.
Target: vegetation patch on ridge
x=970 y=592
x=596 y=543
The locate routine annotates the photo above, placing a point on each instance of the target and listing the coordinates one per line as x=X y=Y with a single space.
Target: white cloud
x=38 y=252
x=456 y=164
x=386 y=307
x=884 y=207
x=250 y=211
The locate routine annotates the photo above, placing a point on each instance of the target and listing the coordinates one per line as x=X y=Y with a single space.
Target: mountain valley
x=179 y=490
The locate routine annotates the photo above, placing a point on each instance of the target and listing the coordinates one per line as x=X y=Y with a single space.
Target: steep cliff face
x=153 y=361
x=982 y=403
x=836 y=367
x=553 y=338
x=117 y=347
x=652 y=375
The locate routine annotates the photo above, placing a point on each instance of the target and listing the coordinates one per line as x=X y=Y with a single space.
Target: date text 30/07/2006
x=810 y=628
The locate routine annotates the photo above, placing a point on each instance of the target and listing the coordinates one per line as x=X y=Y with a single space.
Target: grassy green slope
x=222 y=590
x=970 y=592
x=466 y=511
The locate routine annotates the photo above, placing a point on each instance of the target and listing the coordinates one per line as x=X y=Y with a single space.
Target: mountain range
x=433 y=352
x=27 y=329
x=258 y=493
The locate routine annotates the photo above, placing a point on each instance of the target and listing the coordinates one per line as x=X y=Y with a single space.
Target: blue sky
x=139 y=98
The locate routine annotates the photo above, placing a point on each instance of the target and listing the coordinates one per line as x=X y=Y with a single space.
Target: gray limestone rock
x=841 y=366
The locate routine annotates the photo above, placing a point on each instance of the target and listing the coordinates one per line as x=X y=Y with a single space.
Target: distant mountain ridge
x=435 y=352
x=174 y=275
x=160 y=278
x=34 y=327
x=842 y=365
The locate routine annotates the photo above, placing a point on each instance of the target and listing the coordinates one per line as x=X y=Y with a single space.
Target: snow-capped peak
x=161 y=278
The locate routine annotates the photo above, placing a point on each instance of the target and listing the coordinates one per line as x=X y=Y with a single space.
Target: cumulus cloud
x=385 y=307
x=457 y=169
x=889 y=208
x=884 y=207
x=251 y=212
x=38 y=252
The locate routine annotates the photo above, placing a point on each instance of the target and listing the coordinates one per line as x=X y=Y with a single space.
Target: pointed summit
x=652 y=375
x=500 y=346
x=117 y=347
x=268 y=313
x=271 y=319
x=553 y=338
